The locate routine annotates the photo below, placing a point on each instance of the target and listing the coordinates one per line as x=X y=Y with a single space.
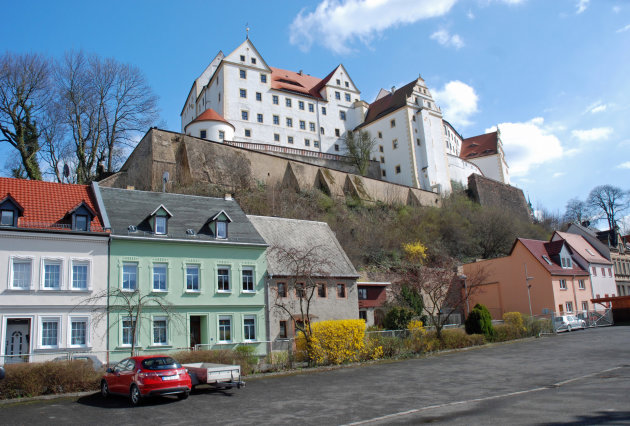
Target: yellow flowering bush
x=336 y=342
x=514 y=320
x=417 y=327
x=415 y=252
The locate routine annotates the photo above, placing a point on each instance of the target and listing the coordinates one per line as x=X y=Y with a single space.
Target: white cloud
x=616 y=9
x=582 y=5
x=625 y=165
x=337 y=23
x=458 y=102
x=528 y=144
x=598 y=108
x=623 y=29
x=446 y=39
x=592 y=135
x=558 y=174
x=470 y=15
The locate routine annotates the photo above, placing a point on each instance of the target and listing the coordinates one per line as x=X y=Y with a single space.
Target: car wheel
x=183 y=395
x=569 y=328
x=134 y=395
x=104 y=389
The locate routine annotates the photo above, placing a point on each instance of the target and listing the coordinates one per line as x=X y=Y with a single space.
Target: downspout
x=268 y=313
x=574 y=294
x=109 y=248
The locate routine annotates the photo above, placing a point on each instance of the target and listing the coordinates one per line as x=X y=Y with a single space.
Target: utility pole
x=529 y=286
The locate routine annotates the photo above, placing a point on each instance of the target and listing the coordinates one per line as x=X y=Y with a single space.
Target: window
x=21 y=269
x=347 y=84
x=311 y=127
x=258 y=96
x=585 y=306
x=323 y=110
x=392 y=123
x=221 y=135
x=563 y=284
x=80 y=271
x=276 y=120
x=321 y=290
x=263 y=78
x=300 y=290
x=413 y=118
x=581 y=285
x=276 y=137
x=221 y=229
x=225 y=329
x=311 y=108
x=243 y=73
x=52 y=275
x=274 y=98
x=128 y=326
x=342 y=115
x=337 y=133
x=223 y=278
x=160 y=225
x=248 y=279
x=569 y=306
x=259 y=118
x=603 y=272
x=192 y=277
x=301 y=105
x=243 y=93
x=160 y=326
x=245 y=115
x=282 y=290
x=242 y=58
x=202 y=134
x=159 y=276
x=290 y=139
x=382 y=160
x=384 y=173
x=337 y=147
x=546 y=259
x=418 y=141
x=594 y=271
x=248 y=133
x=129 y=276
x=307 y=142
x=362 y=293
x=283 y=334
x=253 y=61
x=564 y=265
x=78 y=332
x=50 y=332
x=316 y=144
x=321 y=130
x=338 y=82
x=380 y=148
x=363 y=315
x=81 y=222
x=302 y=124
x=395 y=144
x=380 y=135
x=289 y=122
x=610 y=272
x=249 y=328
x=398 y=169
x=7 y=218
x=287 y=102
x=348 y=97
x=337 y=95
x=341 y=290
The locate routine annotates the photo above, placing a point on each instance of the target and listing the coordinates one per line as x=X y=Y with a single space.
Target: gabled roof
x=130 y=207
x=580 y=246
x=163 y=207
x=538 y=249
x=82 y=204
x=46 y=204
x=389 y=103
x=295 y=82
x=591 y=237
x=480 y=146
x=219 y=214
x=13 y=201
x=210 y=115
x=302 y=235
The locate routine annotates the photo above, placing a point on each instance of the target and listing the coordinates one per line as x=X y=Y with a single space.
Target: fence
x=583 y=319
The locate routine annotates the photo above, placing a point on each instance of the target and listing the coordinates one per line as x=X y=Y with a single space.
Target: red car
x=145 y=376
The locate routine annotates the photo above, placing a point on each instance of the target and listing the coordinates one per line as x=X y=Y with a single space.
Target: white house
x=53 y=256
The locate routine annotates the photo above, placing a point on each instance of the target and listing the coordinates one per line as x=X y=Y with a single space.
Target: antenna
x=165 y=177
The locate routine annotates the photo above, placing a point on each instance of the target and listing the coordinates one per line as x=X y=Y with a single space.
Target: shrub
x=479 y=321
x=390 y=347
x=514 y=320
x=505 y=332
x=398 y=318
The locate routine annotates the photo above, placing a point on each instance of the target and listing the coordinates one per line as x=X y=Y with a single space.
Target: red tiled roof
x=296 y=82
x=47 y=204
x=210 y=115
x=389 y=103
x=479 y=146
x=548 y=249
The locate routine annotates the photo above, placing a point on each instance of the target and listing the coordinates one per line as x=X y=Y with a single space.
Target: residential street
x=581 y=377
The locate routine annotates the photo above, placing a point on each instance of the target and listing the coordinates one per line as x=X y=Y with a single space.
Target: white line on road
x=487 y=398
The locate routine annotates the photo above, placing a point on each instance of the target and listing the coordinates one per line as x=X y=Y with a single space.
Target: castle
x=242 y=101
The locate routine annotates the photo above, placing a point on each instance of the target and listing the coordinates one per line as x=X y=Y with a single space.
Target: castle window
x=348 y=97
x=384 y=173
x=311 y=126
x=259 y=118
x=398 y=169
x=380 y=135
x=321 y=130
x=337 y=132
x=382 y=159
x=301 y=105
x=316 y=144
x=221 y=135
x=338 y=95
x=202 y=134
x=258 y=96
x=342 y=115
x=245 y=115
x=395 y=143
x=276 y=137
x=243 y=93
x=302 y=124
x=338 y=82
x=242 y=58
x=323 y=110
x=307 y=142
x=347 y=84
x=254 y=61
x=274 y=98
x=248 y=133
x=276 y=120
x=263 y=78
x=289 y=122
x=413 y=118
x=418 y=141
x=311 y=108
x=380 y=148
x=290 y=140
x=243 y=73
x=288 y=102
x=392 y=123
x=336 y=147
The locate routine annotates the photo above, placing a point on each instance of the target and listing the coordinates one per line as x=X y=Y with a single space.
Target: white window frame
x=253 y=271
x=153 y=321
x=249 y=317
x=21 y=259
x=563 y=284
x=42 y=320
x=585 y=308
x=581 y=285
x=229 y=275
x=224 y=317
x=122 y=276
x=74 y=319
x=186 y=289
x=222 y=235
x=568 y=306
x=158 y=290
x=80 y=262
x=122 y=332
x=51 y=261
x=162 y=223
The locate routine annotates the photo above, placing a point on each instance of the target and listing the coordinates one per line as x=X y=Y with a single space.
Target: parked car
x=568 y=323
x=145 y=376
x=1 y=373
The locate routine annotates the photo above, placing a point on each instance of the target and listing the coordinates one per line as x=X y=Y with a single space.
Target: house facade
x=198 y=265
x=53 y=259
x=537 y=276
x=372 y=297
x=305 y=261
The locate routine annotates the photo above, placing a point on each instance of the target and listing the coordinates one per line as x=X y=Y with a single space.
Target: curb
x=45 y=397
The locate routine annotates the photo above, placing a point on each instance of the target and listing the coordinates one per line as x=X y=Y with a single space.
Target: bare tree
x=24 y=81
x=359 y=148
x=577 y=211
x=609 y=200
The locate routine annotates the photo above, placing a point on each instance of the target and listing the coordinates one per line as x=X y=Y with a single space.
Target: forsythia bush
x=514 y=320
x=335 y=342
x=417 y=327
x=415 y=252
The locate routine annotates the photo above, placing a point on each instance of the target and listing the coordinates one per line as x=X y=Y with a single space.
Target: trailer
x=220 y=376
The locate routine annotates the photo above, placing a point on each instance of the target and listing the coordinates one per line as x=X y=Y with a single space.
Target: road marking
x=487 y=398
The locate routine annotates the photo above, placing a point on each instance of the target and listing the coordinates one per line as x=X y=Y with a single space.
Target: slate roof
x=591 y=237
x=389 y=103
x=479 y=146
x=580 y=246
x=47 y=205
x=130 y=207
x=544 y=248
x=302 y=235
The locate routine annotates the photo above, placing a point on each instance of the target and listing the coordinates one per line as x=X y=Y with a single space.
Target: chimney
x=228 y=197
x=393 y=89
x=301 y=72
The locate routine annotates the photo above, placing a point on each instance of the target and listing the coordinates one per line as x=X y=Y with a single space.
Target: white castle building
x=240 y=99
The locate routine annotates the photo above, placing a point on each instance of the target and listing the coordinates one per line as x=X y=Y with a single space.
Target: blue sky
x=553 y=74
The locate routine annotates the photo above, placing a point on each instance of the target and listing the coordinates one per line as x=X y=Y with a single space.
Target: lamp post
x=529 y=286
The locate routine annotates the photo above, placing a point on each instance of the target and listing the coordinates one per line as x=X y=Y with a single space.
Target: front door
x=17 y=340
x=195 y=331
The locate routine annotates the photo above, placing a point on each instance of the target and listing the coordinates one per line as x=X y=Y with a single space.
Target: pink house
x=538 y=277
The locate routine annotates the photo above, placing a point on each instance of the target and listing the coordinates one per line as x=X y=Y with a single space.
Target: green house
x=195 y=267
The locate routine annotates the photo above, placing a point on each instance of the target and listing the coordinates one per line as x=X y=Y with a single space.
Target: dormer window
x=160 y=225
x=81 y=222
x=82 y=216
x=9 y=211
x=7 y=218
x=221 y=229
x=159 y=220
x=219 y=225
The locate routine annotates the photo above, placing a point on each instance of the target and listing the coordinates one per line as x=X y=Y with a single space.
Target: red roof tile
x=211 y=115
x=296 y=82
x=549 y=249
x=479 y=146
x=47 y=204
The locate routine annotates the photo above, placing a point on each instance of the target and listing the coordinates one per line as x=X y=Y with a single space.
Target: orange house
x=538 y=277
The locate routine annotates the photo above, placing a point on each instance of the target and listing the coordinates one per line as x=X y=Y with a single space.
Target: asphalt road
x=581 y=377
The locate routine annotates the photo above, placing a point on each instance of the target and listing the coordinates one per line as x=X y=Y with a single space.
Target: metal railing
x=286 y=150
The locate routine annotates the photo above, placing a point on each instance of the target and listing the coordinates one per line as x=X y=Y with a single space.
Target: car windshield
x=160 y=363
